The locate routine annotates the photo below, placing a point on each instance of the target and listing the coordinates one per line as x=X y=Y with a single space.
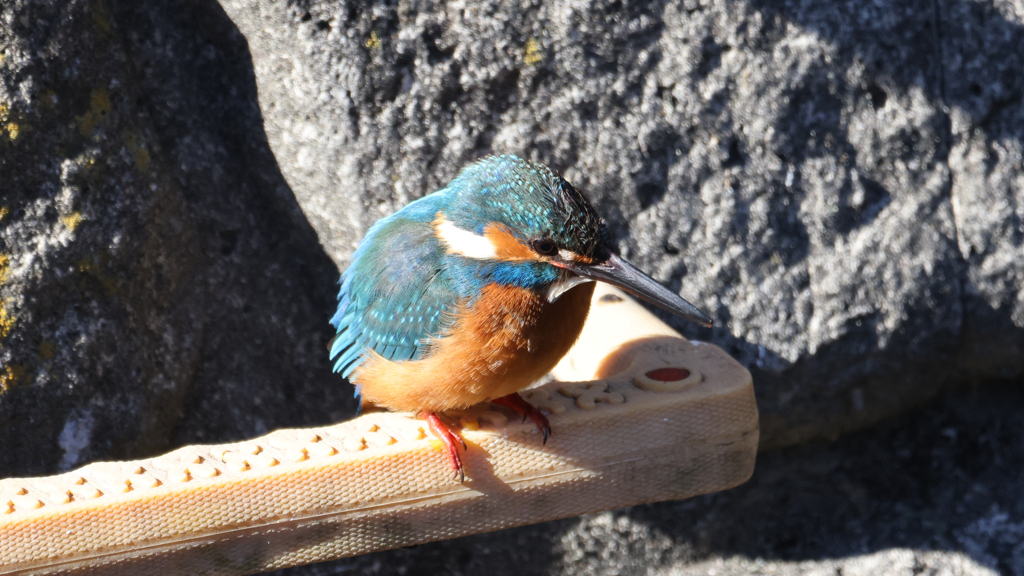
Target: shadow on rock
x=269 y=285
x=160 y=285
x=938 y=479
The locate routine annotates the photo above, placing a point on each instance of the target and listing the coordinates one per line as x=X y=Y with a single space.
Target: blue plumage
x=401 y=283
x=393 y=295
x=475 y=291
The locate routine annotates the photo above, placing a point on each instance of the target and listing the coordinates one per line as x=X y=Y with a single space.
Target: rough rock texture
x=839 y=185
x=158 y=285
x=936 y=492
x=99 y=323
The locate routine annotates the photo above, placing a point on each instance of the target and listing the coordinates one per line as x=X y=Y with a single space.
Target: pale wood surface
x=380 y=481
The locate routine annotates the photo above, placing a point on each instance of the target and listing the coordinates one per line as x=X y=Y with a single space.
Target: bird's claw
x=515 y=402
x=451 y=440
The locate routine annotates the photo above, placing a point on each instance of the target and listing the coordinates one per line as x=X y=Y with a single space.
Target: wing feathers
x=393 y=297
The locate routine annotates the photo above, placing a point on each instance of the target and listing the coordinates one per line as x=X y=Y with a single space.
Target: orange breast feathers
x=508 y=339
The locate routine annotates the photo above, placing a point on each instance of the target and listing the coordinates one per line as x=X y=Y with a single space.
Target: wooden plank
x=620 y=438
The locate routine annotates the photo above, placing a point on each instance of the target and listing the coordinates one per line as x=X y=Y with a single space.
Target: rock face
x=157 y=284
x=99 y=319
x=839 y=186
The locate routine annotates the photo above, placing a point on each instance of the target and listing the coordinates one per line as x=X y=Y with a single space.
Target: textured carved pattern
x=588 y=395
x=541 y=398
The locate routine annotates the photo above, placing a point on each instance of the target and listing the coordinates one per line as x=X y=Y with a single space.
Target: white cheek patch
x=463 y=242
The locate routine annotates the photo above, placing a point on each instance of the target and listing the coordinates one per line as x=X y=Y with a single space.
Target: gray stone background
x=839 y=184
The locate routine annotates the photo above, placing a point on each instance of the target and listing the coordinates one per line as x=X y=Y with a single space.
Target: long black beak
x=618 y=272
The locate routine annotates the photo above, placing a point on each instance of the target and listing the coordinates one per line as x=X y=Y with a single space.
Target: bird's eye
x=545 y=246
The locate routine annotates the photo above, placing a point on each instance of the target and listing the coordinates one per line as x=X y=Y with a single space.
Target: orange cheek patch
x=506 y=245
x=581 y=259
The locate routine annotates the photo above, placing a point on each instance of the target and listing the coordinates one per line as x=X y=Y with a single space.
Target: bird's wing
x=394 y=297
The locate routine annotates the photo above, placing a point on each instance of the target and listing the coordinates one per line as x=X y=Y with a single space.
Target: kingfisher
x=474 y=292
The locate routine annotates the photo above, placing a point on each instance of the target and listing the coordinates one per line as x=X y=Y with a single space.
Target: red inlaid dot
x=669 y=374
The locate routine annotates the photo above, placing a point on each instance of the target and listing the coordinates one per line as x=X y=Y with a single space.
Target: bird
x=474 y=292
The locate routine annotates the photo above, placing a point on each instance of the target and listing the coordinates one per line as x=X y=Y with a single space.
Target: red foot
x=451 y=440
x=516 y=402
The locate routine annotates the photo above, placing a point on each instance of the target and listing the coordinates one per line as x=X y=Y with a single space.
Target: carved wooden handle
x=640 y=415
